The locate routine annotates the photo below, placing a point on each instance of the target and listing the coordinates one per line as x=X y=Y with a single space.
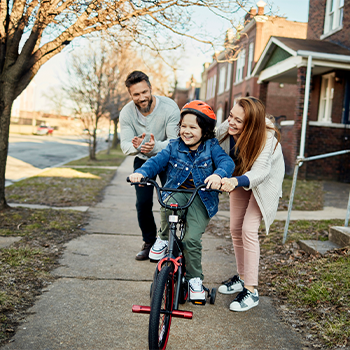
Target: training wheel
x=213 y=296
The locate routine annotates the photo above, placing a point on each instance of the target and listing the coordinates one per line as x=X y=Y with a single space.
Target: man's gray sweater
x=162 y=123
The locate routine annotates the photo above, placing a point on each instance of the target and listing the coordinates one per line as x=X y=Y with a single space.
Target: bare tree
x=95 y=86
x=33 y=31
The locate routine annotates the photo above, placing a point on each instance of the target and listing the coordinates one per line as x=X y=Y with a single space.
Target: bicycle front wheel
x=161 y=308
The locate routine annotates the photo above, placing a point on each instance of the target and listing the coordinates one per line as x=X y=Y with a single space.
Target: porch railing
x=298 y=163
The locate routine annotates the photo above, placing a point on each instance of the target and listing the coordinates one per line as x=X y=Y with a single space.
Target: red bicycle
x=169 y=287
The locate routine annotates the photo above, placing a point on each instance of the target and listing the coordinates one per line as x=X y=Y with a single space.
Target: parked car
x=44 y=130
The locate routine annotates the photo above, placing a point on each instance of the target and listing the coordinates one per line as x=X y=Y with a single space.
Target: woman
x=249 y=138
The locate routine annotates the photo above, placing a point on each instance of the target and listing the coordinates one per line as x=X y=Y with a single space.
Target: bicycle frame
x=170 y=258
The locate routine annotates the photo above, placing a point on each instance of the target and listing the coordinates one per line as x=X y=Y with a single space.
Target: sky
x=193 y=56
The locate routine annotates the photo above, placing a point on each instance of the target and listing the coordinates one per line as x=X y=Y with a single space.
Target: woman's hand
x=135 y=177
x=213 y=181
x=228 y=185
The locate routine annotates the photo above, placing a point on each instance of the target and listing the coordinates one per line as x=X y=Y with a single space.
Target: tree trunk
x=5 y=116
x=115 y=141
x=93 y=147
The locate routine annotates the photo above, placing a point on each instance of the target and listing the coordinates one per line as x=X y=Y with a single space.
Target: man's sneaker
x=197 y=292
x=158 y=249
x=232 y=285
x=245 y=300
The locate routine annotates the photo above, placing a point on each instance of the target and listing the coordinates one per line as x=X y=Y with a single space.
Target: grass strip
x=114 y=158
x=308 y=196
x=25 y=265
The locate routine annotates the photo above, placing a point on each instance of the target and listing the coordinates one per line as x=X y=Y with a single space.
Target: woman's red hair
x=253 y=137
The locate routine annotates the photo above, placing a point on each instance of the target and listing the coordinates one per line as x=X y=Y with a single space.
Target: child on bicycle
x=192 y=159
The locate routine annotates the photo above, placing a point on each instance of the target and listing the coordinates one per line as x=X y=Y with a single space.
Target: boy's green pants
x=197 y=220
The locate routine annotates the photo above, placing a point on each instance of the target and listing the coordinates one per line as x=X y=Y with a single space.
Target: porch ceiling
x=285 y=71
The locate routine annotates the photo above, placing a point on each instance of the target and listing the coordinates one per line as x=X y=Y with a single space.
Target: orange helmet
x=200 y=109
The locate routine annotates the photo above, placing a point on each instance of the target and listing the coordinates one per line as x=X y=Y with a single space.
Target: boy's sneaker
x=197 y=292
x=245 y=300
x=158 y=249
x=232 y=285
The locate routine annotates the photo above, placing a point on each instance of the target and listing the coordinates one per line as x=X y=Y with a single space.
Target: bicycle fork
x=177 y=269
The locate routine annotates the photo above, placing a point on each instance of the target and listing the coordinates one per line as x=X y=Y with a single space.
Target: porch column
x=298 y=117
x=263 y=89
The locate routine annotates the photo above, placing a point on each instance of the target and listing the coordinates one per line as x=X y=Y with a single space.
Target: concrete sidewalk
x=98 y=281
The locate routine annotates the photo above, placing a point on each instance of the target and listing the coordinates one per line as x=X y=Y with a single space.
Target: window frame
x=333 y=20
x=222 y=77
x=250 y=59
x=228 y=79
x=240 y=63
x=326 y=98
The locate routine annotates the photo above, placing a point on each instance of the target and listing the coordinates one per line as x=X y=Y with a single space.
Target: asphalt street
x=29 y=155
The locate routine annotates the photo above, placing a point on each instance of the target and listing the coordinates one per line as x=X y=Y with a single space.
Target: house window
x=326 y=98
x=219 y=116
x=250 y=59
x=211 y=86
x=222 y=80
x=228 y=79
x=334 y=16
x=240 y=66
x=214 y=86
x=209 y=83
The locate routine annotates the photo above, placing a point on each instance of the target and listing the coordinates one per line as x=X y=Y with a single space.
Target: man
x=147 y=123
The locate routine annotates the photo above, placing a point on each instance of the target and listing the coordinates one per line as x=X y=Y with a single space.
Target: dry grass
x=311 y=292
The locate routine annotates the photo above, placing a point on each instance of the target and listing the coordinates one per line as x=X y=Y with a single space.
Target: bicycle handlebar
x=150 y=182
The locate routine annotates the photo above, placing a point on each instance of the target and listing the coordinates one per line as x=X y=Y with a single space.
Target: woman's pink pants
x=245 y=218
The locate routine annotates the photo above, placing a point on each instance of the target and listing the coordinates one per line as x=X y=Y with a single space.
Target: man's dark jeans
x=144 y=204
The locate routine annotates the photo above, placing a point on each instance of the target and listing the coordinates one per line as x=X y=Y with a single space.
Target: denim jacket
x=177 y=160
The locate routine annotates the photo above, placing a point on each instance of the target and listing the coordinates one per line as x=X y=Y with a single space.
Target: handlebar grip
x=143 y=180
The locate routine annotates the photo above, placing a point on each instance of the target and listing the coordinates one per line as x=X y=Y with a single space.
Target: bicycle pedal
x=198 y=302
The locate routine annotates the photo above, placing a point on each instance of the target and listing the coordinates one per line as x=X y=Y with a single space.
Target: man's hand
x=136 y=141
x=135 y=177
x=148 y=146
x=228 y=185
x=213 y=181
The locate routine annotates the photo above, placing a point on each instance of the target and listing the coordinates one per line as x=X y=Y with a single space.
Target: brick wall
x=281 y=101
x=317 y=11
x=316 y=18
x=291 y=135
x=323 y=140
x=287 y=133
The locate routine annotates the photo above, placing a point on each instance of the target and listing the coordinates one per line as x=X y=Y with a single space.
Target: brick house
x=183 y=95
x=229 y=76
x=326 y=52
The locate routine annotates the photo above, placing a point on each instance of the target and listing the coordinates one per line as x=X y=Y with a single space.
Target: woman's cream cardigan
x=265 y=176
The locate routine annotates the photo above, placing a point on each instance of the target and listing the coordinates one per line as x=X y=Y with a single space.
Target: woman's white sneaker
x=158 y=249
x=245 y=300
x=231 y=286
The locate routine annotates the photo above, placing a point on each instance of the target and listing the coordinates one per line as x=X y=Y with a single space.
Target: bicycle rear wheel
x=161 y=308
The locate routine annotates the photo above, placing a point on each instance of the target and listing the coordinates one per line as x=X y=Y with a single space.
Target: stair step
x=314 y=247
x=340 y=235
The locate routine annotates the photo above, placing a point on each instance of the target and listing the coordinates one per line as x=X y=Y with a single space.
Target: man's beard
x=147 y=108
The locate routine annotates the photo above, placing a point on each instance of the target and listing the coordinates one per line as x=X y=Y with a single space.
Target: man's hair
x=136 y=77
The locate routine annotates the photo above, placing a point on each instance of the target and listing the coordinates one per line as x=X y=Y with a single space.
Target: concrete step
x=340 y=235
x=314 y=247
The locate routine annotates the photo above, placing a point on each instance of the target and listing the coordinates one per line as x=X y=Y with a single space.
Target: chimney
x=252 y=11
x=261 y=5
